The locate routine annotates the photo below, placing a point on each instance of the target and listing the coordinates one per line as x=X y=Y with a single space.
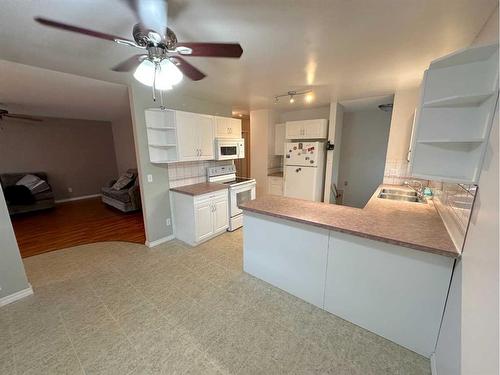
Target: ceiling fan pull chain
x=157 y=66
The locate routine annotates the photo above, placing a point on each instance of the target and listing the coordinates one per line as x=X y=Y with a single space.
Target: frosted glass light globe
x=167 y=74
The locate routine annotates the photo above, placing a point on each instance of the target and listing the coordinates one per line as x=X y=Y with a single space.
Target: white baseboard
x=160 y=241
x=77 y=198
x=16 y=296
x=433 y=364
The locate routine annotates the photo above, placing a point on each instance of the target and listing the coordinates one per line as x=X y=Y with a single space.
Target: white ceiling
x=341 y=48
x=29 y=90
x=366 y=104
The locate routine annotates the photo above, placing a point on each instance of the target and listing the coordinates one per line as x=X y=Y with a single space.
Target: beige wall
x=12 y=275
x=123 y=139
x=155 y=195
x=305 y=114
x=76 y=154
x=405 y=102
x=262 y=123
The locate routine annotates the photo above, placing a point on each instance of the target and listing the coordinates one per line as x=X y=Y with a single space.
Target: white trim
x=433 y=364
x=16 y=296
x=159 y=242
x=77 y=198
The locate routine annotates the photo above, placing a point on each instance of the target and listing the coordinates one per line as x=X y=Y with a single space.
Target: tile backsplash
x=453 y=201
x=396 y=172
x=188 y=173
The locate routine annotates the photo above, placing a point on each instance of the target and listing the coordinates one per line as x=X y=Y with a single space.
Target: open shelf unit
x=162 y=135
x=453 y=121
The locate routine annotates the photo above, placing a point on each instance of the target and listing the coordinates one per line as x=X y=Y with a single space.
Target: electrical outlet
x=70 y=189
x=168 y=222
x=150 y=178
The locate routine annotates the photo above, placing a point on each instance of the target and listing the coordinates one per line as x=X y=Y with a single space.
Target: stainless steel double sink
x=401 y=195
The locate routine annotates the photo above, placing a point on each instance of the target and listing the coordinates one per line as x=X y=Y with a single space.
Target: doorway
x=243 y=165
x=365 y=134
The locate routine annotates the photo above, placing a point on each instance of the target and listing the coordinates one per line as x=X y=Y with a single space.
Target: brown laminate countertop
x=275 y=174
x=413 y=225
x=199 y=189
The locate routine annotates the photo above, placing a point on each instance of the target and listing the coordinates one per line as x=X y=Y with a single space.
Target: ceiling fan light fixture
x=167 y=74
x=145 y=72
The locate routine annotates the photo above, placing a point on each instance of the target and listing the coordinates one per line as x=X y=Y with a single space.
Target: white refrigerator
x=304 y=170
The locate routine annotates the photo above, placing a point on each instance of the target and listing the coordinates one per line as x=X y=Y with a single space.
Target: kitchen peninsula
x=386 y=267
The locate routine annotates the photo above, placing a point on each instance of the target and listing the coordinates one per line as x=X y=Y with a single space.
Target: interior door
x=204 y=222
x=221 y=216
x=206 y=136
x=300 y=182
x=187 y=136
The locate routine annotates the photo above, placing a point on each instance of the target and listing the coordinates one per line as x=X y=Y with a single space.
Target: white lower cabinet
x=199 y=218
x=275 y=185
x=395 y=292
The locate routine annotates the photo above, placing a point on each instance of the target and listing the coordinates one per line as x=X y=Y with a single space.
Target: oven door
x=240 y=195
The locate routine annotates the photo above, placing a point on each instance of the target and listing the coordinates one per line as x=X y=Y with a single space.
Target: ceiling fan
x=5 y=114
x=161 y=65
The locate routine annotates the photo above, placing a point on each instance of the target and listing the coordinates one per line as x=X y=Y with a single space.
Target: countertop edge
x=212 y=189
x=392 y=241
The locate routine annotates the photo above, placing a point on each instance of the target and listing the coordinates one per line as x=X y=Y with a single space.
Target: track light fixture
x=292 y=94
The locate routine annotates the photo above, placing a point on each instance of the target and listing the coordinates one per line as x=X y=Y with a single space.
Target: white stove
x=240 y=190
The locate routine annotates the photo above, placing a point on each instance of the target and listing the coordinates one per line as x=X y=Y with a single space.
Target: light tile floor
x=120 y=308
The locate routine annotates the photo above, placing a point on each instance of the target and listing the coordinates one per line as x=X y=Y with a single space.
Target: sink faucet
x=419 y=191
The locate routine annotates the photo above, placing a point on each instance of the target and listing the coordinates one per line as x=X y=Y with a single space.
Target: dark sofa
x=43 y=200
x=127 y=199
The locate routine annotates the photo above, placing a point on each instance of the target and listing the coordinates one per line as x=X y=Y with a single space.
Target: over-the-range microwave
x=227 y=149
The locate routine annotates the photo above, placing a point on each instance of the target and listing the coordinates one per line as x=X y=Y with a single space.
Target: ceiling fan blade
x=22 y=117
x=81 y=30
x=151 y=13
x=210 y=49
x=187 y=69
x=129 y=64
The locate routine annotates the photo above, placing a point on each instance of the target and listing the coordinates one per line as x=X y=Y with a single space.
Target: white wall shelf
x=453 y=121
x=460 y=100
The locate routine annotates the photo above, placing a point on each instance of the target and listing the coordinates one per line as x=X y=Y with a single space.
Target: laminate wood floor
x=75 y=223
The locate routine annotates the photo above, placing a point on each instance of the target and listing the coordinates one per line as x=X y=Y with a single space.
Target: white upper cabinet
x=195 y=136
x=306 y=129
x=227 y=127
x=454 y=117
x=179 y=136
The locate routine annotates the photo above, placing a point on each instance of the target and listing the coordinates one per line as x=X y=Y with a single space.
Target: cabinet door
x=294 y=130
x=187 y=136
x=222 y=126
x=234 y=128
x=203 y=220
x=279 y=139
x=275 y=185
x=221 y=216
x=314 y=129
x=205 y=130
